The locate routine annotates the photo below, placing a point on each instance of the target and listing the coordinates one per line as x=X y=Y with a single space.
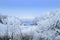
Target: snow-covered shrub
x=12 y=25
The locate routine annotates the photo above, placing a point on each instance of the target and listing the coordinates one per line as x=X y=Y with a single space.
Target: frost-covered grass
x=47 y=28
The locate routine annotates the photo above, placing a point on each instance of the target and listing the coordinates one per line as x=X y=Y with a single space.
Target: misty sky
x=27 y=8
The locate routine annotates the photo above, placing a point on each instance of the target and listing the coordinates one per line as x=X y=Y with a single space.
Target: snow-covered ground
x=47 y=28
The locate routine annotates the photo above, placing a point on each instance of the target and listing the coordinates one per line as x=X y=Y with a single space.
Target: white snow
x=48 y=28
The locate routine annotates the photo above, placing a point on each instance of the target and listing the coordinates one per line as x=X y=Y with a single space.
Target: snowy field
x=46 y=27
